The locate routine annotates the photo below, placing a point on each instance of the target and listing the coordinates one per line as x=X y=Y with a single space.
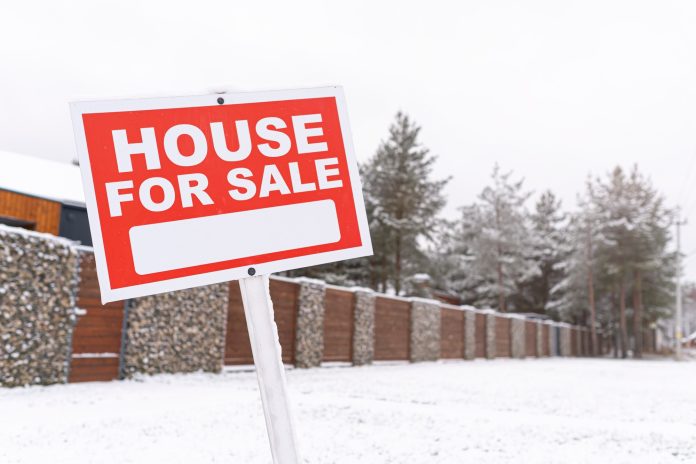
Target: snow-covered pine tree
x=650 y=257
x=496 y=240
x=403 y=201
x=619 y=249
x=617 y=215
x=548 y=240
x=576 y=297
x=443 y=256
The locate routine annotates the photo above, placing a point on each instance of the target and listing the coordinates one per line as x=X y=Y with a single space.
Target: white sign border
x=108 y=294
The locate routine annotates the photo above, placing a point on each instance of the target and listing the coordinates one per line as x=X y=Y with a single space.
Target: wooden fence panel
x=392 y=329
x=573 y=341
x=530 y=333
x=96 y=343
x=285 y=296
x=586 y=351
x=502 y=337
x=546 y=347
x=338 y=325
x=480 y=335
x=237 y=346
x=451 y=333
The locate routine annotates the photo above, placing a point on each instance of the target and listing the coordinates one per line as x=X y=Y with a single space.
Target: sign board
x=191 y=191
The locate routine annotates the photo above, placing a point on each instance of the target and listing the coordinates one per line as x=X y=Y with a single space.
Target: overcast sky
x=553 y=90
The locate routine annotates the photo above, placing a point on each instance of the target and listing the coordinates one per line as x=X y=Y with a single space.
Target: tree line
x=606 y=264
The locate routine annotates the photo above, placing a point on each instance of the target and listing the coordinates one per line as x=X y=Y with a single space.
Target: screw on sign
x=190 y=191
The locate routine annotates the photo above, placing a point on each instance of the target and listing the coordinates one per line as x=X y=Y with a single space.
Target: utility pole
x=678 y=313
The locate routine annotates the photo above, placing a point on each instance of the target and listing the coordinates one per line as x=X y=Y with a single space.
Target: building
x=43 y=195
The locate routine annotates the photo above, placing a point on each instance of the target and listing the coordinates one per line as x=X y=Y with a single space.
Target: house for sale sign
x=191 y=191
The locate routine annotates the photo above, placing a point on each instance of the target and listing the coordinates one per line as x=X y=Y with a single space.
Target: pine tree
x=649 y=239
x=578 y=296
x=403 y=202
x=495 y=240
x=548 y=248
x=619 y=238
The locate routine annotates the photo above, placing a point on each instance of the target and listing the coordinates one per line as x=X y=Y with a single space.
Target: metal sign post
x=265 y=346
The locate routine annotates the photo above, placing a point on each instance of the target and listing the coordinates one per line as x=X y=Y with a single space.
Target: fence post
x=539 y=339
x=565 y=340
x=469 y=334
x=490 y=333
x=363 y=326
x=553 y=342
x=309 y=341
x=425 y=330
x=517 y=337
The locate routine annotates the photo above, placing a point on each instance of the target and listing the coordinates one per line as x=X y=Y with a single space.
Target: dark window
x=16 y=222
x=74 y=224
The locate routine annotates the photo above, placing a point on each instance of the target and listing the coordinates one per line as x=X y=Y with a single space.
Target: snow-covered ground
x=531 y=411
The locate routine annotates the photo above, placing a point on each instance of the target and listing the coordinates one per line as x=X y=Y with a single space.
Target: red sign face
x=197 y=190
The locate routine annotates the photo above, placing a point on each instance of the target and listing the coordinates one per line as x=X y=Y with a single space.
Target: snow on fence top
x=41 y=178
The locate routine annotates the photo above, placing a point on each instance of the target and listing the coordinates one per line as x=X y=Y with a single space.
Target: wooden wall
x=585 y=342
x=45 y=213
x=546 y=347
x=237 y=346
x=530 y=333
x=392 y=329
x=451 y=333
x=96 y=344
x=574 y=342
x=502 y=337
x=338 y=325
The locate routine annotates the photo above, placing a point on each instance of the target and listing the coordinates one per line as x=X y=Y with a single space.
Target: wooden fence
x=530 y=340
x=237 y=346
x=96 y=343
x=338 y=325
x=452 y=332
x=98 y=338
x=503 y=347
x=392 y=329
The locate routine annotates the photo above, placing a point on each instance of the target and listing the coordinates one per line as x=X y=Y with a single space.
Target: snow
x=32 y=234
x=536 y=411
x=40 y=178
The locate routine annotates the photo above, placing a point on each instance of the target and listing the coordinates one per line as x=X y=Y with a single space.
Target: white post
x=270 y=372
x=678 y=313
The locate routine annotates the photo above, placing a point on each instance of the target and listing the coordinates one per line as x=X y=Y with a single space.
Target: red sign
x=191 y=191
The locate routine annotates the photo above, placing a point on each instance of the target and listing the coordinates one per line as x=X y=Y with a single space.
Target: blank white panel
x=193 y=242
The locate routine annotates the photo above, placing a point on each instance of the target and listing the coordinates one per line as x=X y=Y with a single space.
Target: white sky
x=552 y=90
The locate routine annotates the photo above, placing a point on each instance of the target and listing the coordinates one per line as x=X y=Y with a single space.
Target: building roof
x=41 y=178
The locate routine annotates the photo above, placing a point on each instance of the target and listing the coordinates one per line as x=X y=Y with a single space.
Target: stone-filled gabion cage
x=38 y=284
